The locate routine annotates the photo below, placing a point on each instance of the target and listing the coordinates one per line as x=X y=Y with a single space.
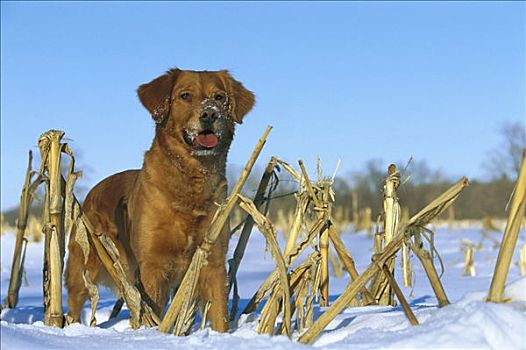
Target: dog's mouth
x=202 y=140
x=206 y=139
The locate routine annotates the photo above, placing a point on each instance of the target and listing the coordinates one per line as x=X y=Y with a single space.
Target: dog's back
x=105 y=207
x=104 y=202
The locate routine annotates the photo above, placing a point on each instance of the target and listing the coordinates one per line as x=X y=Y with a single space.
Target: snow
x=468 y=323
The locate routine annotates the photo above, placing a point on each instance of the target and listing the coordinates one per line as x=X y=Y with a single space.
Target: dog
x=159 y=214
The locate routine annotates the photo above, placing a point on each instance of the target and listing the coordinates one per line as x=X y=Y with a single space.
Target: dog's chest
x=196 y=199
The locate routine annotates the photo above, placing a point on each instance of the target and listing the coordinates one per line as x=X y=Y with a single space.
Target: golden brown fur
x=159 y=214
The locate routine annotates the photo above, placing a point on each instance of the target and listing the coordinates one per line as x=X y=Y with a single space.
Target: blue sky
x=342 y=80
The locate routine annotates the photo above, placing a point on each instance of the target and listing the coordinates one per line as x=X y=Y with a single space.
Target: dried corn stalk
x=47 y=239
x=384 y=293
x=306 y=280
x=337 y=266
x=290 y=258
x=17 y=266
x=324 y=244
x=50 y=148
x=314 y=288
x=267 y=322
x=365 y=220
x=348 y=262
x=322 y=207
x=405 y=306
x=304 y=287
x=71 y=220
x=427 y=263
x=245 y=234
x=302 y=203
x=355 y=212
x=378 y=242
x=509 y=241
x=421 y=219
x=450 y=218
x=469 y=264
x=522 y=259
x=406 y=266
x=205 y=315
x=304 y=296
x=300 y=298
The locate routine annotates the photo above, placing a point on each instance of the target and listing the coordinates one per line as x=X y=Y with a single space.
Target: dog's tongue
x=208 y=140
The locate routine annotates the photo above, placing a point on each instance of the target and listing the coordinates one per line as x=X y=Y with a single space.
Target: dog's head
x=198 y=110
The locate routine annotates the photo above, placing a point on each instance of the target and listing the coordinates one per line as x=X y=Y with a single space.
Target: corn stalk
x=406 y=266
x=71 y=220
x=348 y=262
x=337 y=267
x=469 y=264
x=233 y=263
x=305 y=284
x=302 y=204
x=50 y=148
x=290 y=258
x=383 y=292
x=427 y=263
x=511 y=233
x=17 y=266
x=405 y=305
x=421 y=219
x=522 y=259
x=312 y=279
x=266 y=324
x=322 y=208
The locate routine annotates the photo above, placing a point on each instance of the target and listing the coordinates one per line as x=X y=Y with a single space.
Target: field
x=468 y=322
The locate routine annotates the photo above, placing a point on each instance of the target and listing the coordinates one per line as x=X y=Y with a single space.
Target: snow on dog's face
x=197 y=109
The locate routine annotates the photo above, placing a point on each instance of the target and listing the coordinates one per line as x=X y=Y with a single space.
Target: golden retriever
x=158 y=215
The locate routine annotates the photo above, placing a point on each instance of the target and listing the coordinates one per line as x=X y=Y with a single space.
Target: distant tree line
x=419 y=184
x=363 y=189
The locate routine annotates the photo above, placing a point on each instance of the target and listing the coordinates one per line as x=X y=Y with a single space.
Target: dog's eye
x=219 y=97
x=185 y=96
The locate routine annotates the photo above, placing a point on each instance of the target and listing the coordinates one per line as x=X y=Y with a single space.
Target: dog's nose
x=208 y=115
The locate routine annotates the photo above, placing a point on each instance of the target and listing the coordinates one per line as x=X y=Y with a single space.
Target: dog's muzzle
x=205 y=138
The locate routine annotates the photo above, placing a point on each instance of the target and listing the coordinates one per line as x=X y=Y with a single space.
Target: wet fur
x=157 y=215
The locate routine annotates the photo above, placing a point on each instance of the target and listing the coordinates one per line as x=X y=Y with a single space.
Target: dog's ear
x=156 y=96
x=241 y=99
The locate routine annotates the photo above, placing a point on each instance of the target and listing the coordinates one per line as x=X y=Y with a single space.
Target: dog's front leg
x=212 y=287
x=155 y=281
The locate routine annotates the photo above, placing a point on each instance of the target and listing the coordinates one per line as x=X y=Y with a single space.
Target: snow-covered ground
x=468 y=322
